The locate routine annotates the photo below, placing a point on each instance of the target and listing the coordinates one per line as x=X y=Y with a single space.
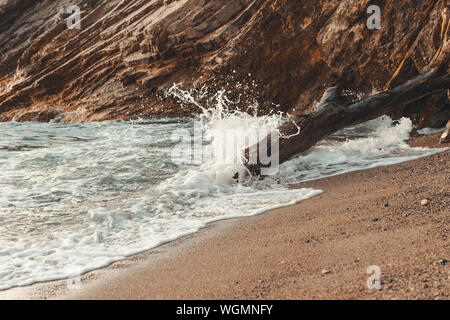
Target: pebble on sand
x=325 y=271
x=425 y=202
x=442 y=261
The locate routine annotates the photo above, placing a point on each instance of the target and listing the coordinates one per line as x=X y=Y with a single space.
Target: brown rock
x=293 y=51
x=425 y=202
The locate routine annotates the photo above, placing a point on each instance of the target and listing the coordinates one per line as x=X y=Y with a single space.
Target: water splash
x=229 y=130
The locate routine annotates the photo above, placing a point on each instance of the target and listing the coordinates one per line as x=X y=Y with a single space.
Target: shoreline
x=283 y=253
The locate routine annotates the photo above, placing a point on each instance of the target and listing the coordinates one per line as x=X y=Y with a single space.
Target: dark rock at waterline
x=126 y=53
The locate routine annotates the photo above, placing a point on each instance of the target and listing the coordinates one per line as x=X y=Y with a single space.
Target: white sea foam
x=376 y=143
x=80 y=196
x=428 y=131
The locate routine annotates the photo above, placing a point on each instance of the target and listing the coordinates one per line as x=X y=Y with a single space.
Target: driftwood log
x=330 y=115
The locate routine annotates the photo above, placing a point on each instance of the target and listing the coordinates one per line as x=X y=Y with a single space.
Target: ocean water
x=76 y=197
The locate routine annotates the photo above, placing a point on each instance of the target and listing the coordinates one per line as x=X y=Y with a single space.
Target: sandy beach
x=320 y=248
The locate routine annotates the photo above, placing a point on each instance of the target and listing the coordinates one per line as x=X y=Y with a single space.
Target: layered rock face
x=127 y=52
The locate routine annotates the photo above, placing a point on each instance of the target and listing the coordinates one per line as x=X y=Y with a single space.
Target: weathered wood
x=330 y=116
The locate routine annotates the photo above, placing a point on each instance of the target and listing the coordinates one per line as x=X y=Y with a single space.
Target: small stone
x=386 y=204
x=325 y=271
x=375 y=219
x=425 y=202
x=261 y=281
x=307 y=241
x=442 y=261
x=425 y=286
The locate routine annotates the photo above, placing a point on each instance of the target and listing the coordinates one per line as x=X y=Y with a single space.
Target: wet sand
x=318 y=249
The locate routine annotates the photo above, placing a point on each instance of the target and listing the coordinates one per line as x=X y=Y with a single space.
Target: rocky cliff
x=127 y=52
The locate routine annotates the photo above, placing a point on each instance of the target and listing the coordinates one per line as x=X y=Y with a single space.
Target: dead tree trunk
x=330 y=116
